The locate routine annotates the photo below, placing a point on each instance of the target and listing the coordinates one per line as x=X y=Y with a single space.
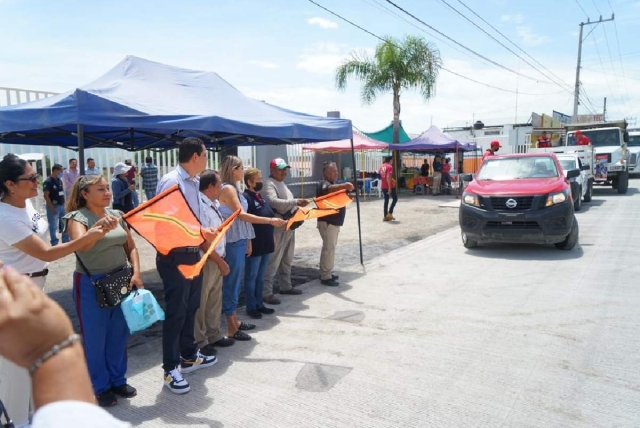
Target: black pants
x=182 y=300
x=394 y=197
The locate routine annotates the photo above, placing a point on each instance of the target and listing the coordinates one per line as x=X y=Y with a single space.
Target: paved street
x=433 y=335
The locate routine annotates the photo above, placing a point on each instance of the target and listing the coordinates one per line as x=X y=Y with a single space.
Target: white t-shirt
x=17 y=224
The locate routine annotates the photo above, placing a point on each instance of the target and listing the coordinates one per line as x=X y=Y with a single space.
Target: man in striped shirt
x=149 y=174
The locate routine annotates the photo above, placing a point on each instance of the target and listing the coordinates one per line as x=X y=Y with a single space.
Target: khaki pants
x=329 y=234
x=207 y=325
x=279 y=267
x=437 y=178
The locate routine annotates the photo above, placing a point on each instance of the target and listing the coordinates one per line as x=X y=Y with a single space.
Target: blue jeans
x=150 y=193
x=134 y=198
x=56 y=224
x=235 y=258
x=254 y=269
x=104 y=336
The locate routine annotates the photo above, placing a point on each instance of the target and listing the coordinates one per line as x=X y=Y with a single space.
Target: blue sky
x=285 y=52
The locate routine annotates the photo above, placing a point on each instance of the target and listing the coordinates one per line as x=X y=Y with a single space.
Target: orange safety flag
x=191 y=271
x=334 y=200
x=166 y=222
x=303 y=214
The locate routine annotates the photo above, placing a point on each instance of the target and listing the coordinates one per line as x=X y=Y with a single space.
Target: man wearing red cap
x=581 y=139
x=281 y=200
x=491 y=151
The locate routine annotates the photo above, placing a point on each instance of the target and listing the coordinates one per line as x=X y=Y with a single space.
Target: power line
x=387 y=41
x=510 y=41
x=624 y=77
x=582 y=8
x=385 y=9
x=460 y=44
x=500 y=43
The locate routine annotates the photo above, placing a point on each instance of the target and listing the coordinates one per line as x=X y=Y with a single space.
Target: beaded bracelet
x=53 y=352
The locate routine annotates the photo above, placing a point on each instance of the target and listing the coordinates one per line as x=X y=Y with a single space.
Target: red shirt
x=386 y=174
x=544 y=142
x=446 y=168
x=583 y=141
x=487 y=153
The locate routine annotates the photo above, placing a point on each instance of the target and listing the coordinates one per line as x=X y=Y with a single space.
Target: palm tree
x=411 y=63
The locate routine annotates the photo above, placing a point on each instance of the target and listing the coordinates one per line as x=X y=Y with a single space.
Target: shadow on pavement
x=586 y=206
x=148 y=342
x=524 y=252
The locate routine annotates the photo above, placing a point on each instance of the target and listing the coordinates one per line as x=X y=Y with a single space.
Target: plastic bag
x=141 y=310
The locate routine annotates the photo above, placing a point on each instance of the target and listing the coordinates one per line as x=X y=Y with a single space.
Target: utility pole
x=604 y=111
x=576 y=93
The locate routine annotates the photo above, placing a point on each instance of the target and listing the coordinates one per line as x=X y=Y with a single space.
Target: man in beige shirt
x=281 y=200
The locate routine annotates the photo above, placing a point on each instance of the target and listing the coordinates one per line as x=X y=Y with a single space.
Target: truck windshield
x=598 y=137
x=518 y=168
x=567 y=164
x=634 y=141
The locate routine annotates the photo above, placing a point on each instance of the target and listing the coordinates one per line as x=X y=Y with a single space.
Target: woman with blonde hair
x=24 y=246
x=238 y=245
x=104 y=330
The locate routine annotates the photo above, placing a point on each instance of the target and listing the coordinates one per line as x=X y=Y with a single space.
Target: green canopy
x=386 y=135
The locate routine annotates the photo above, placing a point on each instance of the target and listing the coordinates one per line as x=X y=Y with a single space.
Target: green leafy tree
x=408 y=64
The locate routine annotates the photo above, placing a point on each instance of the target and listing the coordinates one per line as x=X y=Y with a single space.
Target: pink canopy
x=360 y=142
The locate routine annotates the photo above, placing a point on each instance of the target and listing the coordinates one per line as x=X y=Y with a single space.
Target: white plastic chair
x=375 y=187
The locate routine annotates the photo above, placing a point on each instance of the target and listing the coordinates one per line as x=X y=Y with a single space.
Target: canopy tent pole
x=355 y=176
x=302 y=177
x=81 y=148
x=458 y=168
x=362 y=171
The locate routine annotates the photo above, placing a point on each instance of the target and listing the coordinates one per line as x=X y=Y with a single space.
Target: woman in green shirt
x=104 y=330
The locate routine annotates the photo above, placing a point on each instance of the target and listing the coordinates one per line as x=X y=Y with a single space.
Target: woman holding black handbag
x=103 y=326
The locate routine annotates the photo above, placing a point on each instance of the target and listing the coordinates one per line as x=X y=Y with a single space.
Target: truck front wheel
x=468 y=242
x=572 y=239
x=577 y=203
x=589 y=195
x=623 y=182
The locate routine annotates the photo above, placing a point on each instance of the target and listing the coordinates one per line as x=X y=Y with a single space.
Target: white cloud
x=517 y=18
x=323 y=23
x=263 y=64
x=530 y=38
x=323 y=58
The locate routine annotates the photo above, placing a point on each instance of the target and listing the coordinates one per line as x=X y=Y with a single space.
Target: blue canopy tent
x=434 y=141
x=141 y=104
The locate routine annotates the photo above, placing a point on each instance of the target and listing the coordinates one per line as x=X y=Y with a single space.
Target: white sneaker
x=198 y=362
x=175 y=382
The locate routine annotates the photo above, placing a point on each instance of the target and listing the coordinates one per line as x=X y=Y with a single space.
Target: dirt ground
x=417 y=218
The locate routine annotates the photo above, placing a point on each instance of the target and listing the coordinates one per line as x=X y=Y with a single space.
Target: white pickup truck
x=581 y=186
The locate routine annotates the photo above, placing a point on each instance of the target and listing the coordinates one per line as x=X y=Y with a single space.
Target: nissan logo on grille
x=511 y=203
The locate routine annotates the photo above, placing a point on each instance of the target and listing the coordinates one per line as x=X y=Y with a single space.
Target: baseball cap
x=495 y=143
x=279 y=163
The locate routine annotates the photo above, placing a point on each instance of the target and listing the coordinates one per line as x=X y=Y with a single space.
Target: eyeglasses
x=33 y=178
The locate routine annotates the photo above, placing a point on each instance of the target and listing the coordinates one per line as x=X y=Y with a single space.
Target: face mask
x=257 y=187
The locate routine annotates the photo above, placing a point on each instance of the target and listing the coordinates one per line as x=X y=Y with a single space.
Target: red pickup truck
x=522 y=198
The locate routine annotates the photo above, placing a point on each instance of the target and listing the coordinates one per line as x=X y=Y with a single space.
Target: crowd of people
x=256 y=250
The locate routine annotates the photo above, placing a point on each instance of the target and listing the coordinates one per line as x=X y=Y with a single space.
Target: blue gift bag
x=141 y=310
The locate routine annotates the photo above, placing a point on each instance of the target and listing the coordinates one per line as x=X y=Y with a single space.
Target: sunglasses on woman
x=33 y=178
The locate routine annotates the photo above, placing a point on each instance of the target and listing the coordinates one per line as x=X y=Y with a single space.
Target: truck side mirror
x=625 y=136
x=586 y=167
x=574 y=173
x=467 y=178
